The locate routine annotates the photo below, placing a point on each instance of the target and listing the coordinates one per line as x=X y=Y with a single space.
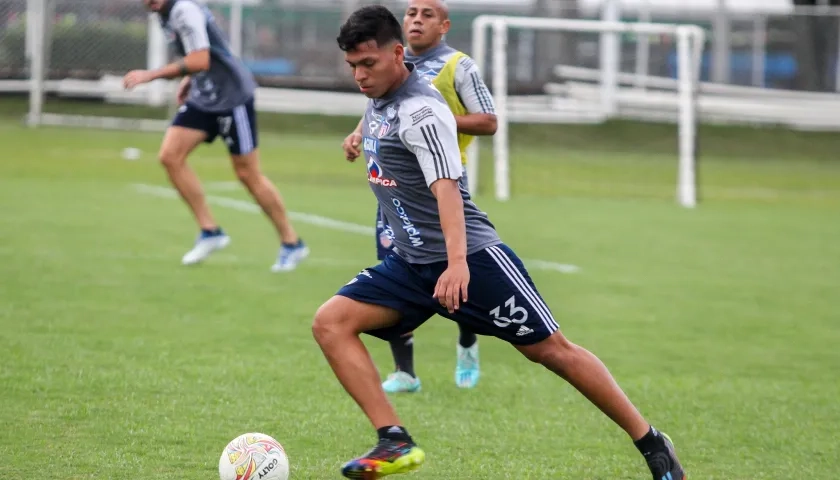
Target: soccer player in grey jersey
x=447 y=260
x=216 y=98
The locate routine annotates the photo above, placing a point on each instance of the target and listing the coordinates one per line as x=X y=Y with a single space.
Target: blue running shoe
x=467 y=370
x=207 y=243
x=290 y=256
x=401 y=382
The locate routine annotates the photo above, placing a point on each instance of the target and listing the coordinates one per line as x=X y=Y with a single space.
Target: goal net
x=594 y=94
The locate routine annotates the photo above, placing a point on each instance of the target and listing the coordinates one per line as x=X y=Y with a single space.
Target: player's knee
x=327 y=324
x=554 y=350
x=170 y=158
x=247 y=174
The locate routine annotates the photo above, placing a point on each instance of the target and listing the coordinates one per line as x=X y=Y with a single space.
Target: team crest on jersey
x=376 y=175
x=391 y=112
x=384 y=128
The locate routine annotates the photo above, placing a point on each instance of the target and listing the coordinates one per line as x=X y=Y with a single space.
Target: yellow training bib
x=445 y=83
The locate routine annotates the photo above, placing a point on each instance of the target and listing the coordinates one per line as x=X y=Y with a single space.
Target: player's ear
x=444 y=26
x=399 y=53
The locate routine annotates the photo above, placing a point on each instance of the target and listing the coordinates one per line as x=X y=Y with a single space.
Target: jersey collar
x=431 y=53
x=413 y=77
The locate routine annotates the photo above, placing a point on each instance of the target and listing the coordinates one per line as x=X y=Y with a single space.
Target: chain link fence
x=291 y=43
x=86 y=38
x=12 y=39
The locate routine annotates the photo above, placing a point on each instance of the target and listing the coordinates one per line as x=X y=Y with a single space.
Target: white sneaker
x=289 y=257
x=204 y=246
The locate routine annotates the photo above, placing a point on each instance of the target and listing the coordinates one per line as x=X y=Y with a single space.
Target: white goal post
x=690 y=40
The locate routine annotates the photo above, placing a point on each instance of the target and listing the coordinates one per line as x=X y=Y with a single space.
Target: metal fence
x=291 y=43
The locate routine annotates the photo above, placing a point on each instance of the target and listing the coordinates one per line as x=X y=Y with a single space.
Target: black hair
x=371 y=22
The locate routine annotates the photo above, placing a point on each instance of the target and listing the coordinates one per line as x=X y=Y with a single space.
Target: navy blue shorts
x=384 y=234
x=237 y=127
x=502 y=300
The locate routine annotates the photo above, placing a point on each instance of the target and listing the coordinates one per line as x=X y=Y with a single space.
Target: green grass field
x=721 y=323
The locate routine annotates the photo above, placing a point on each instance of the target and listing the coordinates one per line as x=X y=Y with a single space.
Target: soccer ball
x=254 y=456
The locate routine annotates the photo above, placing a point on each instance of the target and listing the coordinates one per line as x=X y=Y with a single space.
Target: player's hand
x=451 y=288
x=351 y=146
x=136 y=77
x=183 y=90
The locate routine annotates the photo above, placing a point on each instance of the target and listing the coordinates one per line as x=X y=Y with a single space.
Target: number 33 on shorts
x=516 y=314
x=503 y=301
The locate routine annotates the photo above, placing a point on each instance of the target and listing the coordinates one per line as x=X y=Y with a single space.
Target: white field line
x=319 y=221
x=223 y=186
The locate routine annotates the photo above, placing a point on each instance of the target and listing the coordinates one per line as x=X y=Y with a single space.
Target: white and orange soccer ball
x=254 y=456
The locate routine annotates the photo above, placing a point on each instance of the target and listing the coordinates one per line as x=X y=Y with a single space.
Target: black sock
x=467 y=338
x=211 y=231
x=403 y=351
x=395 y=433
x=651 y=442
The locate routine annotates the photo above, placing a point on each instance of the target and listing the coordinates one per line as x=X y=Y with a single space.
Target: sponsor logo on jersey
x=407 y=224
x=371 y=145
x=375 y=174
x=375 y=121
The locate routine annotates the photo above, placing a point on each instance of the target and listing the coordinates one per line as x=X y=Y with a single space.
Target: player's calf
x=292 y=250
x=178 y=143
x=590 y=377
x=336 y=328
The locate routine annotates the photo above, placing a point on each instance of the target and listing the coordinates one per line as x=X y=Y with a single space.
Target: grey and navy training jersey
x=410 y=142
x=228 y=83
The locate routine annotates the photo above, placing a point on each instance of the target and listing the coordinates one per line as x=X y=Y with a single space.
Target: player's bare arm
x=183 y=90
x=476 y=123
x=352 y=142
x=451 y=288
x=194 y=62
x=189 y=24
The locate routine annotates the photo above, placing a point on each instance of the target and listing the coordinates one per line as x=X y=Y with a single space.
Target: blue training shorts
x=237 y=127
x=502 y=300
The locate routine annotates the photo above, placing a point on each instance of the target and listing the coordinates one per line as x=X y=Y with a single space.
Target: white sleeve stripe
x=482 y=93
x=433 y=151
x=433 y=142
x=439 y=144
